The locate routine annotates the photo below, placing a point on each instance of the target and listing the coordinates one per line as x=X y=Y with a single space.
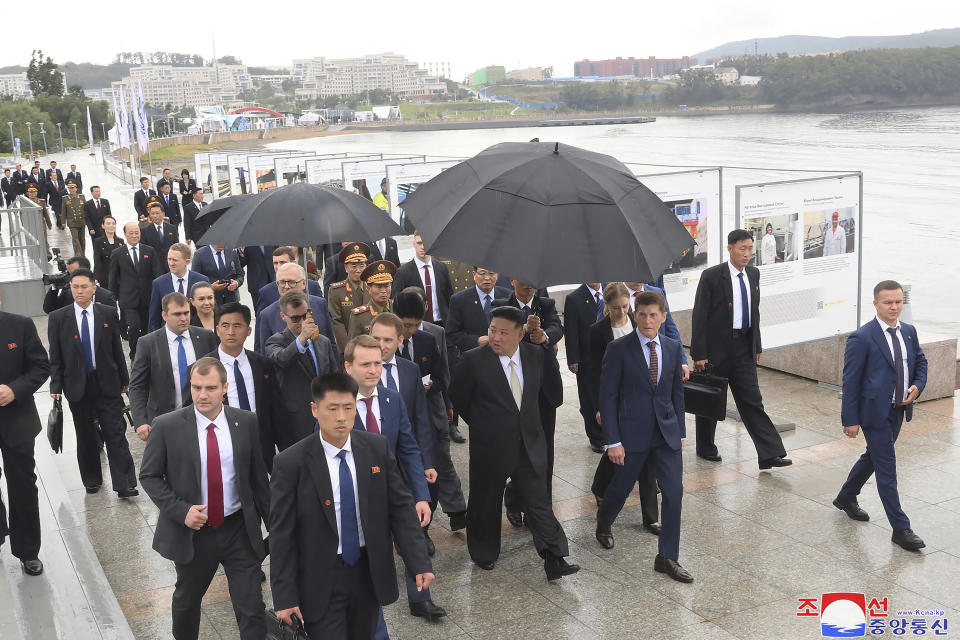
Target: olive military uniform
x=461 y=274
x=345 y=296
x=72 y=213
x=32 y=194
x=376 y=273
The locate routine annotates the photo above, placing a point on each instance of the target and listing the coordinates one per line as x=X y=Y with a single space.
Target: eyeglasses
x=485 y=274
x=289 y=283
x=299 y=318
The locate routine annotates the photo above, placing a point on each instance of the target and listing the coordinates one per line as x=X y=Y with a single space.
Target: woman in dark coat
x=103 y=246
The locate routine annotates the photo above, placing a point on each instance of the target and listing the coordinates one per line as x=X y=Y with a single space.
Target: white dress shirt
x=131 y=248
x=904 y=362
x=333 y=467
x=362 y=408
x=433 y=285
x=78 y=312
x=505 y=363
x=737 y=307
x=186 y=282
x=633 y=296
x=233 y=391
x=191 y=358
x=228 y=473
x=394 y=369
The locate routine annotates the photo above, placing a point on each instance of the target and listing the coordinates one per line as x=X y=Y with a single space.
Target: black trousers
x=108 y=410
x=588 y=408
x=484 y=509
x=741 y=372
x=647 y=482
x=227 y=545
x=24 y=524
x=548 y=418
x=136 y=319
x=353 y=608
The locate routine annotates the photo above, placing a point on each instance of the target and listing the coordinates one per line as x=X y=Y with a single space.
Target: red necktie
x=372 y=426
x=428 y=311
x=654 y=363
x=214 y=480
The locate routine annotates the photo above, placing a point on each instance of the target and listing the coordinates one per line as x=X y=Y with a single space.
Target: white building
x=15 y=85
x=727 y=75
x=186 y=86
x=323 y=77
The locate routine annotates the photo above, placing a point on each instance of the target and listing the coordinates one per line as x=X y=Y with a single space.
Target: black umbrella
x=547 y=214
x=299 y=214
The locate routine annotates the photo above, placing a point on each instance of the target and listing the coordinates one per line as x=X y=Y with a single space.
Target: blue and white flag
x=89 y=128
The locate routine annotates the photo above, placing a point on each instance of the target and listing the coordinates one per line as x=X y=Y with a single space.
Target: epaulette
x=338 y=285
x=360 y=309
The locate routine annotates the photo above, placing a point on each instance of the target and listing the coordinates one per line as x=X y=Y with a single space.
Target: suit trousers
x=230 y=546
x=587 y=408
x=741 y=372
x=669 y=467
x=108 y=410
x=548 y=418
x=136 y=319
x=79 y=237
x=484 y=509
x=446 y=491
x=647 y=485
x=353 y=608
x=24 y=527
x=880 y=458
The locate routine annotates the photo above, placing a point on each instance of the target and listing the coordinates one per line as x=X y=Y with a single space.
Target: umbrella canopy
x=547 y=213
x=299 y=214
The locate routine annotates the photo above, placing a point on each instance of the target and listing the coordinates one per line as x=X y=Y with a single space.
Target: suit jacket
x=152 y=385
x=432 y=360
x=41 y=185
x=20 y=180
x=630 y=406
x=172 y=209
x=171 y=236
x=869 y=376
x=170 y=474
x=59 y=298
x=130 y=283
x=67 y=364
x=418 y=413
x=269 y=293
x=55 y=193
x=466 y=322
x=392 y=253
x=546 y=309
x=186 y=190
x=94 y=216
x=162 y=285
x=77 y=178
x=303 y=523
x=193 y=228
x=139 y=201
x=601 y=335
x=713 y=314
x=9 y=188
x=46 y=174
x=102 y=250
x=481 y=394
x=270 y=323
x=24 y=366
x=579 y=314
x=205 y=262
x=669 y=327
x=409 y=275
x=259 y=267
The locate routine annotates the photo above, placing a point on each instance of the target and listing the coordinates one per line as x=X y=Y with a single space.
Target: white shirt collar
x=421 y=264
x=506 y=360
x=172 y=337
x=131 y=247
x=78 y=309
x=226 y=358
x=332 y=451
x=734 y=272
x=360 y=395
x=644 y=339
x=592 y=291
x=885 y=326
x=392 y=360
x=202 y=421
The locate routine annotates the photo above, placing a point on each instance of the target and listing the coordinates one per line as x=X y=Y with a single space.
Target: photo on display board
x=404 y=190
x=266 y=179
x=692 y=213
x=774 y=239
x=829 y=232
x=223 y=180
x=374 y=189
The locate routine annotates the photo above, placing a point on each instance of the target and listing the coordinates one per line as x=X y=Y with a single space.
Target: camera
x=59 y=280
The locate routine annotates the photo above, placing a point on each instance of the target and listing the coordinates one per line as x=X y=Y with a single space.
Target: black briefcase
x=705 y=395
x=55 y=426
x=277 y=630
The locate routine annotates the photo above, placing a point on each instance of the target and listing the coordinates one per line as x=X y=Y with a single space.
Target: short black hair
x=83 y=261
x=185 y=172
x=886 y=285
x=333 y=382
x=507 y=312
x=409 y=303
x=232 y=307
x=142 y=178
x=737 y=235
x=96 y=186
x=84 y=273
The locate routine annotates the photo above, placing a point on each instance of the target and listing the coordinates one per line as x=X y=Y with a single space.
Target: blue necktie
x=182 y=365
x=220 y=265
x=390 y=383
x=599 y=306
x=526 y=314
x=313 y=356
x=486 y=306
x=241 y=386
x=744 y=304
x=85 y=339
x=349 y=529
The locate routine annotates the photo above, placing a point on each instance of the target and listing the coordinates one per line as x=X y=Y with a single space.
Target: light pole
x=43 y=132
x=60 y=133
x=103 y=128
x=30 y=138
x=76 y=140
x=13 y=141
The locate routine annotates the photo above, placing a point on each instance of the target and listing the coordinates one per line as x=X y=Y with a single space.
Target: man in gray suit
x=203 y=469
x=158 y=383
x=301 y=353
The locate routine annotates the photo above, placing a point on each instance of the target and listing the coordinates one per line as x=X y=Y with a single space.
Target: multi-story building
x=531 y=74
x=651 y=67
x=15 y=85
x=324 y=77
x=488 y=75
x=186 y=86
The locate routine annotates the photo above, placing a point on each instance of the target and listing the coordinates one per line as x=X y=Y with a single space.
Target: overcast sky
x=515 y=34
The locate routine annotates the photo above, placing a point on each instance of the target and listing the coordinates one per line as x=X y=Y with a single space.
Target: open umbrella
x=299 y=214
x=546 y=213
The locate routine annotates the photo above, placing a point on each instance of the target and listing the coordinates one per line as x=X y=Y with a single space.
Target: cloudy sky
x=516 y=34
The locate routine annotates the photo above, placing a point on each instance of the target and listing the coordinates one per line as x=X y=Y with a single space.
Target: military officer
x=378 y=277
x=461 y=273
x=347 y=295
x=72 y=213
x=32 y=194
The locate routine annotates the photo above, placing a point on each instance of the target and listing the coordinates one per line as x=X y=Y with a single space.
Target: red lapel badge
x=374 y=469
x=326 y=503
x=76 y=337
x=106 y=326
x=423 y=359
x=11 y=345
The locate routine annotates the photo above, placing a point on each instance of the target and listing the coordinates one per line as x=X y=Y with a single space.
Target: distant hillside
x=795 y=45
x=88 y=76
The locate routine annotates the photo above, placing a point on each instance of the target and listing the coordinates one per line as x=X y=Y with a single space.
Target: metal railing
x=27 y=232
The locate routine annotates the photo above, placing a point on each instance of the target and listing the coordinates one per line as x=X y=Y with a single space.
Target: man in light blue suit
x=884 y=371
x=641 y=410
x=180 y=279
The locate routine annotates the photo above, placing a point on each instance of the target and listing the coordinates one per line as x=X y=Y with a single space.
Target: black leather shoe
x=852 y=509
x=455 y=434
x=596 y=447
x=458 y=520
x=652 y=527
x=128 y=493
x=93 y=489
x=556 y=567
x=431 y=548
x=907 y=539
x=486 y=566
x=714 y=457
x=604 y=536
x=427 y=609
x=515 y=518
x=672 y=568
x=775 y=462
x=32 y=567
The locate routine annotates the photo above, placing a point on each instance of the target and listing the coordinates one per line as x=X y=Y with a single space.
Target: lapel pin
x=11 y=345
x=374 y=469
x=106 y=326
x=326 y=503
x=76 y=337
x=388 y=400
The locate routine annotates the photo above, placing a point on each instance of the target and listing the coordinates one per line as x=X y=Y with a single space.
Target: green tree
x=19 y=112
x=43 y=75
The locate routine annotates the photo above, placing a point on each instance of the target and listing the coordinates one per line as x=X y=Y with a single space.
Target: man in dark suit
x=179 y=279
x=87 y=366
x=300 y=354
x=159 y=380
x=271 y=292
x=384 y=249
x=431 y=276
x=159 y=234
x=260 y=271
x=884 y=372
x=59 y=297
x=641 y=409
x=74 y=175
x=56 y=190
x=9 y=187
x=140 y=198
x=203 y=469
x=497 y=389
x=166 y=178
x=38 y=179
x=23 y=368
x=223 y=268
x=20 y=178
x=338 y=505
x=292 y=277
x=132 y=270
x=193 y=225
x=726 y=335
x=53 y=170
x=171 y=207
x=94 y=210
x=582 y=308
